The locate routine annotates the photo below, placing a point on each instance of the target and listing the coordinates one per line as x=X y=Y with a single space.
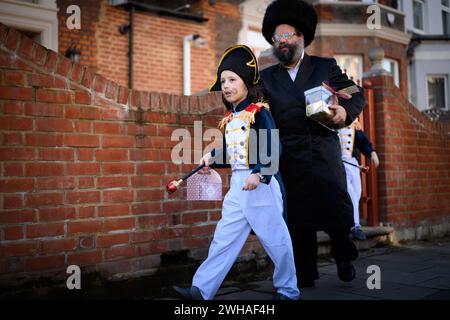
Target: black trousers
x=304 y=242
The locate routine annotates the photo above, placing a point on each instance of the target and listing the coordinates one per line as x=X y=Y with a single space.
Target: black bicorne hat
x=297 y=13
x=241 y=60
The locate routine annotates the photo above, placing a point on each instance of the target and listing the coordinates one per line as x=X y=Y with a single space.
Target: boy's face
x=233 y=87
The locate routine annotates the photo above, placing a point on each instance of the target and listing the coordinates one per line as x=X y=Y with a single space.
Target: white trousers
x=353 y=186
x=261 y=210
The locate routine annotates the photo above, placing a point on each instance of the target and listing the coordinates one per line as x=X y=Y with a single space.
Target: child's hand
x=374 y=159
x=251 y=183
x=206 y=159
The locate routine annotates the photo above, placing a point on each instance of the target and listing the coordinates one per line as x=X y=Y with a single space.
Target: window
x=397 y=4
x=391 y=66
x=256 y=41
x=446 y=16
x=37 y=19
x=252 y=13
x=437 y=87
x=418 y=14
x=352 y=65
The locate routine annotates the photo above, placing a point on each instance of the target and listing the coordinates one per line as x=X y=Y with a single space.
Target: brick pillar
x=413 y=177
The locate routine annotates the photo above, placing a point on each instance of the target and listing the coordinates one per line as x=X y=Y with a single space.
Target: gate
x=369 y=196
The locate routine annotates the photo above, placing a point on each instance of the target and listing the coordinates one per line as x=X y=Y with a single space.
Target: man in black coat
x=310 y=164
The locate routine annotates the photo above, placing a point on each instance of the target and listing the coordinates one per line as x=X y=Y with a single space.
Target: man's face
x=287 y=44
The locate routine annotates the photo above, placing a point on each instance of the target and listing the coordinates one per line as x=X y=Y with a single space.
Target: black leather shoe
x=357 y=233
x=280 y=296
x=184 y=292
x=306 y=283
x=192 y=293
x=346 y=271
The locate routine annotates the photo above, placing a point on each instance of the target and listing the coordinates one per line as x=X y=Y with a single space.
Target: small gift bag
x=205 y=187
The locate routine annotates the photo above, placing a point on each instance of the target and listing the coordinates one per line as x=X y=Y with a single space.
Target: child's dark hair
x=256 y=93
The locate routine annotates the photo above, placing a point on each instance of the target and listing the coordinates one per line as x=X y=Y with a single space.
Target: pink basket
x=205 y=187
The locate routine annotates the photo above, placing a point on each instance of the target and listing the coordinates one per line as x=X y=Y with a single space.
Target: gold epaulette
x=247 y=115
x=223 y=122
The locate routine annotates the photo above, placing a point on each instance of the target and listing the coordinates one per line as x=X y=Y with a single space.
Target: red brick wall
x=414 y=176
x=84 y=164
x=83 y=38
x=158 y=43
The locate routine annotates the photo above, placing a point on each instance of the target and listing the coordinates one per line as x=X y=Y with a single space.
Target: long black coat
x=311 y=165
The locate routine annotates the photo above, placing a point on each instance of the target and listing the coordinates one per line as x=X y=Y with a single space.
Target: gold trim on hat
x=252 y=63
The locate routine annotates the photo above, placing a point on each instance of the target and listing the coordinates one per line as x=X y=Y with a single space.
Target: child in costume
x=353 y=142
x=255 y=198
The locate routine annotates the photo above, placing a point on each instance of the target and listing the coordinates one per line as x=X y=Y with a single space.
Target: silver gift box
x=318 y=100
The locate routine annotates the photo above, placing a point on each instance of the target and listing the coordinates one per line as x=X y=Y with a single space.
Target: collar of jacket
x=241 y=106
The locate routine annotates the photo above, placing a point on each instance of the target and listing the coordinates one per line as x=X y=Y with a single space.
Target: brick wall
x=414 y=176
x=83 y=38
x=158 y=43
x=84 y=164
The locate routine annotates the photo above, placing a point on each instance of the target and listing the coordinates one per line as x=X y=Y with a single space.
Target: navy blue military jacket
x=362 y=145
x=253 y=149
x=263 y=143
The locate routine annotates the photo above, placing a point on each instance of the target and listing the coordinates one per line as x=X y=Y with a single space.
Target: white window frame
x=395 y=73
x=252 y=14
x=446 y=9
x=445 y=76
x=420 y=31
x=360 y=65
x=40 y=18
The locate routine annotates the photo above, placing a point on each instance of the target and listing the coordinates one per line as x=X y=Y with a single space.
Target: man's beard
x=286 y=57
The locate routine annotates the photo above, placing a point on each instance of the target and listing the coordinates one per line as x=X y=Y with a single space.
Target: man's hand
x=251 y=183
x=338 y=120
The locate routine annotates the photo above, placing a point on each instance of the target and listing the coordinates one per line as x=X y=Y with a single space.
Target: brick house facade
x=158 y=42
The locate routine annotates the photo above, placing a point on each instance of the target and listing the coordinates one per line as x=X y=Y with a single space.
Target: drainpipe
x=187 y=63
x=130 y=49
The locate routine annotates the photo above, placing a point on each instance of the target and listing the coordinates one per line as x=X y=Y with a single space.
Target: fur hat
x=297 y=13
x=241 y=60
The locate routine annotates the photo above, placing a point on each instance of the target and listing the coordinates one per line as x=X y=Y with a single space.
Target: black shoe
x=280 y=296
x=346 y=271
x=192 y=293
x=357 y=233
x=306 y=283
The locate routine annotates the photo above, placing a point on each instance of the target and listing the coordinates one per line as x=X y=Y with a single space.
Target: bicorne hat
x=241 y=60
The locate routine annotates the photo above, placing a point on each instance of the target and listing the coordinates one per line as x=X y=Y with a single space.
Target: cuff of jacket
x=266 y=178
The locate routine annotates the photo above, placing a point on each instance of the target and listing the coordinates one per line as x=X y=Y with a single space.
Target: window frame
x=396 y=73
x=445 y=77
x=351 y=55
x=39 y=18
x=423 y=3
x=447 y=10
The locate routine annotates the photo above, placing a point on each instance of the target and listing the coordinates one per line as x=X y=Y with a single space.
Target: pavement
x=409 y=271
x=412 y=271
